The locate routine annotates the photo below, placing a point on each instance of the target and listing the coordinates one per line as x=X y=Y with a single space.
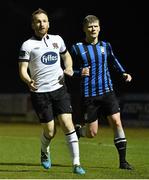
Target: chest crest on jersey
x=102 y=49
x=55 y=45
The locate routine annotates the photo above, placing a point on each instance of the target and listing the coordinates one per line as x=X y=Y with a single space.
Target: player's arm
x=77 y=65
x=67 y=63
x=127 y=77
x=23 y=72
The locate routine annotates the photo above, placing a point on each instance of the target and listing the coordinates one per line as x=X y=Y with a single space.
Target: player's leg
x=47 y=135
x=43 y=108
x=112 y=112
x=63 y=110
x=119 y=140
x=89 y=130
x=66 y=123
x=90 y=111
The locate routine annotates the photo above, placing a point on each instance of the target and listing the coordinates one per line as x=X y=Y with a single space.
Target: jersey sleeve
x=24 y=54
x=116 y=64
x=62 y=45
x=77 y=67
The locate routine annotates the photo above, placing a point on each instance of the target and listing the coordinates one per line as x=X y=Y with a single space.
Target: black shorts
x=50 y=104
x=102 y=105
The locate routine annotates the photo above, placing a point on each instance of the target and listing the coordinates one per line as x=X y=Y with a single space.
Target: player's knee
x=50 y=134
x=116 y=122
x=91 y=134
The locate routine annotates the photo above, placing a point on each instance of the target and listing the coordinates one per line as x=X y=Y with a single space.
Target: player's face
x=92 y=30
x=40 y=24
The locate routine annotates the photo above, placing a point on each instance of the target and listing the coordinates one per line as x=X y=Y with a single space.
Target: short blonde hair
x=38 y=11
x=90 y=19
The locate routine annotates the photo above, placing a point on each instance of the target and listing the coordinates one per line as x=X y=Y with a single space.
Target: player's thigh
x=66 y=122
x=43 y=106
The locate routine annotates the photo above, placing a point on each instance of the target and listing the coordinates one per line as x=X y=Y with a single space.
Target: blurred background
x=123 y=24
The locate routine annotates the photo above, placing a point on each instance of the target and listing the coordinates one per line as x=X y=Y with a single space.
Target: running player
x=40 y=68
x=91 y=59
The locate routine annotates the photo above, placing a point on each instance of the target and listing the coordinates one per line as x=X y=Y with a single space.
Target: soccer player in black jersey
x=91 y=59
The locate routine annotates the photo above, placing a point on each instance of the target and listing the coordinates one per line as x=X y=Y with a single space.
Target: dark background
x=123 y=24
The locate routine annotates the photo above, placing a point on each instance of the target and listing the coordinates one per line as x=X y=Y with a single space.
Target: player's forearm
x=68 y=64
x=68 y=69
x=25 y=78
x=68 y=61
x=119 y=67
x=24 y=74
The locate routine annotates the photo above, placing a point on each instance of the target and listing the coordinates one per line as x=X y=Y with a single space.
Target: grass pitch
x=20 y=154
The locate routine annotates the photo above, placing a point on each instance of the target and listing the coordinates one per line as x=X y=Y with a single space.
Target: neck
x=39 y=37
x=91 y=40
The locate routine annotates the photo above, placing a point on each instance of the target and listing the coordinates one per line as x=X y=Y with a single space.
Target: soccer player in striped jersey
x=40 y=68
x=91 y=59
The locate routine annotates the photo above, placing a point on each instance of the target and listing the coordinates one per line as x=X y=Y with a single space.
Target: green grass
x=20 y=154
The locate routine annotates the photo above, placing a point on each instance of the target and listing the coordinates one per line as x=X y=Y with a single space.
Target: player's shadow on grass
x=39 y=165
x=20 y=164
x=21 y=167
x=31 y=164
x=24 y=165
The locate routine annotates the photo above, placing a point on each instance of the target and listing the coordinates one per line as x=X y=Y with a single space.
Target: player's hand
x=32 y=86
x=61 y=79
x=85 y=71
x=69 y=71
x=127 y=77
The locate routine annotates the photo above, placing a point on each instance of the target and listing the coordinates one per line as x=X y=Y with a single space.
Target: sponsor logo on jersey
x=102 y=49
x=49 y=58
